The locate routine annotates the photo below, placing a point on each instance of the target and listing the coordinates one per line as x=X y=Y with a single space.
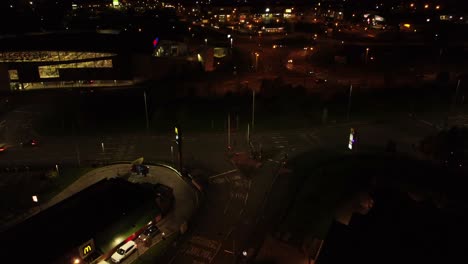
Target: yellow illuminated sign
x=407 y=25
x=176 y=130
x=86 y=248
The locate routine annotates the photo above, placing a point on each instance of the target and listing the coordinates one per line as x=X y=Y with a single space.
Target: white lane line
x=221 y=174
x=228 y=203
x=246 y=197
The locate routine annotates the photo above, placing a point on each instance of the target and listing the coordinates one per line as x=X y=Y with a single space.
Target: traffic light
x=178 y=136
x=178 y=140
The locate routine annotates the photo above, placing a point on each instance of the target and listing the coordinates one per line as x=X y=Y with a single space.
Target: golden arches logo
x=87 y=249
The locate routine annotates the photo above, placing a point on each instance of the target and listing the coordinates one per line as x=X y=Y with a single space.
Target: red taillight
x=2 y=149
x=33 y=143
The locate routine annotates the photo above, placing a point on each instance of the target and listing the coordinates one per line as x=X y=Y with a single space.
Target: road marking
x=216 y=253
x=221 y=174
x=228 y=203
x=236 y=177
x=218 y=180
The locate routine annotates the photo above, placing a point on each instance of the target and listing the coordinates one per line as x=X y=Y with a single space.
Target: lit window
x=13 y=74
x=48 y=72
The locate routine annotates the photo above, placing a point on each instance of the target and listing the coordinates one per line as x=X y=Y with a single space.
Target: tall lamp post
x=256 y=60
x=36 y=200
x=178 y=138
x=349 y=101
x=146 y=111
x=253 y=109
x=367 y=54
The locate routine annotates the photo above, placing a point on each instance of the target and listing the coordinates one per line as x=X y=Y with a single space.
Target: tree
x=448 y=146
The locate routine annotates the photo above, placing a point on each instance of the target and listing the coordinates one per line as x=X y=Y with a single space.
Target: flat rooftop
x=52 y=234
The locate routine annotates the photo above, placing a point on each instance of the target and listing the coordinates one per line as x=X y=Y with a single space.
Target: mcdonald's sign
x=86 y=249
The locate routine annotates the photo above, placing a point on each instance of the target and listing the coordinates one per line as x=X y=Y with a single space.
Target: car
x=149 y=232
x=30 y=143
x=140 y=169
x=124 y=251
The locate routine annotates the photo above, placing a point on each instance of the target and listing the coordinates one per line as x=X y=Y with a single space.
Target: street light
x=36 y=200
x=146 y=111
x=206 y=41
x=367 y=54
x=178 y=140
x=349 y=101
x=256 y=60
x=253 y=109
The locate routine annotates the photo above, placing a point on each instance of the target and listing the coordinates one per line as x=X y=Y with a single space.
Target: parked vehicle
x=124 y=251
x=149 y=233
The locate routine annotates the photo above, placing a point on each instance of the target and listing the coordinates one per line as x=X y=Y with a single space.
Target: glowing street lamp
x=36 y=200
x=256 y=60
x=367 y=54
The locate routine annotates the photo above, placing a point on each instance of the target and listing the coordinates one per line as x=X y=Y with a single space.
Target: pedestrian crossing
x=198 y=250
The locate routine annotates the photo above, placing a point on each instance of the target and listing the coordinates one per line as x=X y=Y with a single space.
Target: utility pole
x=146 y=111
x=77 y=149
x=454 y=102
x=349 y=101
x=178 y=137
x=229 y=130
x=253 y=109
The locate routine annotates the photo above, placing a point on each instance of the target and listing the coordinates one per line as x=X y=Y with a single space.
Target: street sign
x=86 y=249
x=351 y=139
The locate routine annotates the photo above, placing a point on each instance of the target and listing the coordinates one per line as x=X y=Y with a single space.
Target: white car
x=124 y=251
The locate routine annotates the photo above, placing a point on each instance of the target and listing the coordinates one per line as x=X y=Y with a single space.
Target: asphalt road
x=239 y=209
